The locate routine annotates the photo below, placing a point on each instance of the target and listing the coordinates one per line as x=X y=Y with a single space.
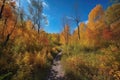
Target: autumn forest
x=91 y=51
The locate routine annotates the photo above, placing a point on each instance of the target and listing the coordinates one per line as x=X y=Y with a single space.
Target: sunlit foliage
x=27 y=51
x=96 y=55
x=65 y=35
x=24 y=54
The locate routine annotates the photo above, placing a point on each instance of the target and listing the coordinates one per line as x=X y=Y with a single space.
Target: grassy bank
x=100 y=64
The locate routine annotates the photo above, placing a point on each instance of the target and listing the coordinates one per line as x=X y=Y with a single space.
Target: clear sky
x=55 y=10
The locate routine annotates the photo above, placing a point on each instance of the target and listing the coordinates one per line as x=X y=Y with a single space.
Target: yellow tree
x=9 y=21
x=112 y=14
x=82 y=29
x=95 y=26
x=65 y=35
x=112 y=18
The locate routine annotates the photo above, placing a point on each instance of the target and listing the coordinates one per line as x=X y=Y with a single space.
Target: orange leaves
x=112 y=13
x=36 y=59
x=7 y=12
x=7 y=8
x=107 y=34
x=96 y=13
x=65 y=35
x=96 y=32
x=93 y=65
x=29 y=25
x=44 y=40
x=10 y=25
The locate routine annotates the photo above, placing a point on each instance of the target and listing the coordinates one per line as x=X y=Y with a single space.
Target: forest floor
x=56 y=71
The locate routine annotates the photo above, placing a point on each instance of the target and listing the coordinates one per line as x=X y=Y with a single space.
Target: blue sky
x=55 y=10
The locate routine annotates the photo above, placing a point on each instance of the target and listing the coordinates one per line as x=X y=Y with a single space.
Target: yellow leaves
x=71 y=62
x=102 y=66
x=26 y=35
x=105 y=64
x=49 y=56
x=29 y=25
x=40 y=59
x=111 y=72
x=19 y=31
x=62 y=40
x=82 y=27
x=112 y=14
x=33 y=36
x=96 y=13
x=117 y=75
x=17 y=58
x=26 y=58
x=65 y=35
x=115 y=65
x=34 y=59
x=113 y=48
x=115 y=25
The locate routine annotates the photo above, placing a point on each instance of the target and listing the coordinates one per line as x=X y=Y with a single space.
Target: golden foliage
x=93 y=66
x=65 y=35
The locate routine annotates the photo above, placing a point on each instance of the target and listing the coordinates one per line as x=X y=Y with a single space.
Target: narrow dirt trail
x=56 y=72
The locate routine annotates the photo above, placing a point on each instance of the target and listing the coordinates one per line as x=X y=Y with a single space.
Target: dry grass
x=97 y=65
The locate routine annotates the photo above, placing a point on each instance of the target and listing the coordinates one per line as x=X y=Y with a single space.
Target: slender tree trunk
x=38 y=31
x=33 y=26
x=9 y=34
x=78 y=30
x=6 y=40
x=2 y=8
x=39 y=27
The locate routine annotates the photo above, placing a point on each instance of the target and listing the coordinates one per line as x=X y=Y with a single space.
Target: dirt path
x=56 y=72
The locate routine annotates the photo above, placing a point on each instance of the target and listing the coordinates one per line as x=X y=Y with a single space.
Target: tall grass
x=99 y=64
